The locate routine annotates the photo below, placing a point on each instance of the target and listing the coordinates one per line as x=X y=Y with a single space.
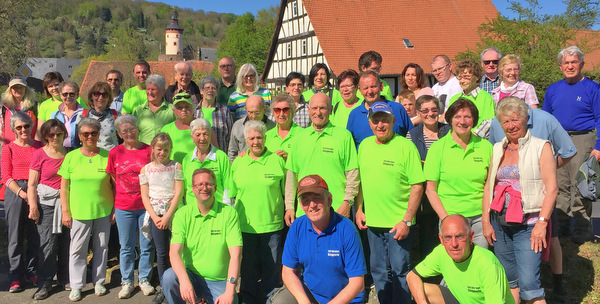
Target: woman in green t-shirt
x=87 y=201
x=50 y=83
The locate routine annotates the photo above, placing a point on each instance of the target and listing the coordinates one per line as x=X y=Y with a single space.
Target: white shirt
x=449 y=88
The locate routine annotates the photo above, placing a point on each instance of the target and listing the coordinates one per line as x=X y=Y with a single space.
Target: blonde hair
x=28 y=102
x=163 y=140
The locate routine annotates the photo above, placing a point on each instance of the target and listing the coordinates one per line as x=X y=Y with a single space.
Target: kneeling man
x=473 y=274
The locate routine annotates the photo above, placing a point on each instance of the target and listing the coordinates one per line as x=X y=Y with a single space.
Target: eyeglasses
x=226 y=66
x=53 y=135
x=87 y=134
x=98 y=94
x=511 y=70
x=182 y=96
x=465 y=77
x=19 y=128
x=184 y=107
x=128 y=131
x=426 y=111
x=441 y=69
x=251 y=76
x=209 y=88
x=279 y=110
x=459 y=237
x=346 y=87
x=200 y=186
x=69 y=94
x=255 y=113
x=487 y=62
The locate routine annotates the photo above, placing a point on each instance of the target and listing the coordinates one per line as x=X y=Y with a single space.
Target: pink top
x=47 y=167
x=16 y=160
x=424 y=91
x=126 y=166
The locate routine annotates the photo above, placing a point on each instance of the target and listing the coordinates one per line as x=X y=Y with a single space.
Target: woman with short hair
x=68 y=112
x=87 y=202
x=99 y=99
x=156 y=113
x=348 y=84
x=217 y=114
x=16 y=157
x=318 y=82
x=510 y=67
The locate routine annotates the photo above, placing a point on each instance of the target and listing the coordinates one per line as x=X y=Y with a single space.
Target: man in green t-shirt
x=206 y=248
x=391 y=188
x=472 y=274
x=136 y=95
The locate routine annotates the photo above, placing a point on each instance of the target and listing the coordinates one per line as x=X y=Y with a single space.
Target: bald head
x=319 y=109
x=456 y=219
x=255 y=107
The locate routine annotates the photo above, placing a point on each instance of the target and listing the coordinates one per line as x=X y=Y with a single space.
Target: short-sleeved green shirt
x=274 y=142
x=478 y=279
x=182 y=141
x=329 y=153
x=218 y=162
x=339 y=117
x=460 y=174
x=335 y=96
x=387 y=172
x=90 y=192
x=386 y=92
x=258 y=187
x=206 y=239
x=207 y=113
x=225 y=92
x=151 y=123
x=483 y=101
x=133 y=98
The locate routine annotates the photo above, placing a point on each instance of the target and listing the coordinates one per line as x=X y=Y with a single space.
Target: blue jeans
x=209 y=290
x=129 y=223
x=521 y=264
x=390 y=263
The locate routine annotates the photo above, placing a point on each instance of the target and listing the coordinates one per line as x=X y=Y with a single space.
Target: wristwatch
x=408 y=223
x=232 y=280
x=350 y=202
x=543 y=219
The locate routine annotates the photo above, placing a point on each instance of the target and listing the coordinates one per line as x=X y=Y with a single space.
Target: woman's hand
x=538 y=236
x=67 y=221
x=34 y=213
x=489 y=233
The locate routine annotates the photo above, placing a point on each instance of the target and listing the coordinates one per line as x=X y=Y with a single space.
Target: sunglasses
x=182 y=96
x=426 y=111
x=98 y=94
x=87 y=134
x=19 y=128
x=53 y=135
x=279 y=110
x=68 y=94
x=487 y=62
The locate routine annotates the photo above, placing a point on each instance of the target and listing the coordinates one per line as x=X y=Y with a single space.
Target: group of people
x=296 y=193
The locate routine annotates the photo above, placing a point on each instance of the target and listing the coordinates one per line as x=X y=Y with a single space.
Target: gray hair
x=199 y=123
x=572 y=50
x=244 y=70
x=256 y=125
x=491 y=48
x=20 y=116
x=125 y=118
x=157 y=80
x=286 y=98
x=69 y=83
x=509 y=105
x=88 y=122
x=209 y=79
x=181 y=63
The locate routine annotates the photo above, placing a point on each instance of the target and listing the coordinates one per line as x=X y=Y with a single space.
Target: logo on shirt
x=578 y=98
x=333 y=253
x=269 y=175
x=215 y=232
x=327 y=150
x=388 y=163
x=473 y=288
x=477 y=159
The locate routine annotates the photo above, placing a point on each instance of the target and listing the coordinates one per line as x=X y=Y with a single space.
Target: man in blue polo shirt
x=327 y=247
x=358 y=122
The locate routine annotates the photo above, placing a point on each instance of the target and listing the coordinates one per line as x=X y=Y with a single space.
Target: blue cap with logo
x=380 y=106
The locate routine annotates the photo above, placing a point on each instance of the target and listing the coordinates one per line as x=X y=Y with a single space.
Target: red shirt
x=126 y=166
x=15 y=161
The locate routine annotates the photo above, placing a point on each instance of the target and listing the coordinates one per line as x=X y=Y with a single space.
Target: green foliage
x=536 y=38
x=248 y=39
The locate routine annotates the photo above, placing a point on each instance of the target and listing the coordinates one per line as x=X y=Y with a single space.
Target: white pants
x=81 y=231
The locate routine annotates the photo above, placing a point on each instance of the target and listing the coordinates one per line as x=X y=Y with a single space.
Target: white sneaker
x=100 y=290
x=75 y=295
x=126 y=290
x=146 y=288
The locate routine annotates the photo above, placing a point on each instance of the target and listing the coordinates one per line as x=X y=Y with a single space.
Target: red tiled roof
x=592 y=56
x=98 y=69
x=348 y=28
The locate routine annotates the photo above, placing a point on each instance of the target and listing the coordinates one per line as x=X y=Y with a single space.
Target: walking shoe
x=146 y=288
x=99 y=290
x=34 y=280
x=42 y=293
x=159 y=298
x=126 y=290
x=15 y=286
x=75 y=295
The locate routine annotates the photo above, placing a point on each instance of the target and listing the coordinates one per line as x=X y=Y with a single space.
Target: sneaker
x=100 y=290
x=146 y=288
x=126 y=290
x=42 y=293
x=159 y=298
x=75 y=295
x=15 y=286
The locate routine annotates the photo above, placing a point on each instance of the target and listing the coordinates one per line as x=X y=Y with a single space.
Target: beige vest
x=533 y=189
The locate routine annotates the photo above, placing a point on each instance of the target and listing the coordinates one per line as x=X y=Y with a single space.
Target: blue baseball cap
x=380 y=107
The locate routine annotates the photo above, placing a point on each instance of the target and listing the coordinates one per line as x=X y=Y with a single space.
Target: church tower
x=174 y=37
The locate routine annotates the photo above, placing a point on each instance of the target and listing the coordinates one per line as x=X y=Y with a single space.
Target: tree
x=15 y=18
x=536 y=38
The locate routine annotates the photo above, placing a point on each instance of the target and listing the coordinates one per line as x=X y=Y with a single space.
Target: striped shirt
x=237 y=101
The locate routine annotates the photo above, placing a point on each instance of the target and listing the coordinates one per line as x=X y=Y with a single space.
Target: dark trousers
x=52 y=246
x=19 y=229
x=261 y=266
x=162 y=239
